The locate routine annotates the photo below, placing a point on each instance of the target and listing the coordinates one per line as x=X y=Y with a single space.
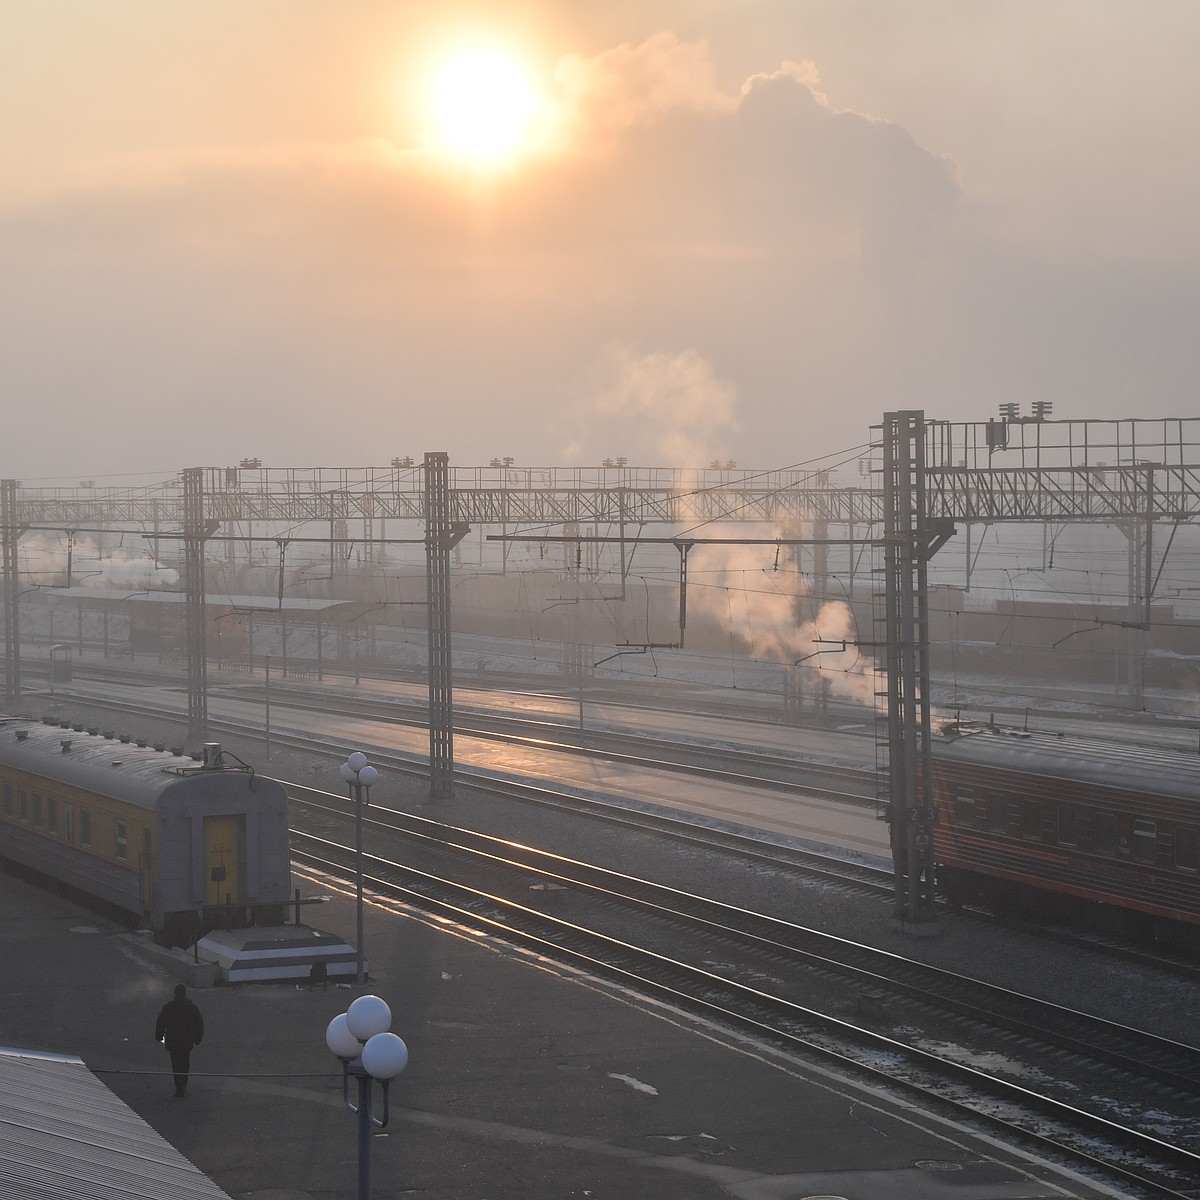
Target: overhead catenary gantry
x=938 y=475
x=10 y=535
x=926 y=479
x=525 y=496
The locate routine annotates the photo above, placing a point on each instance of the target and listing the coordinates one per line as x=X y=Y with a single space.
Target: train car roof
x=136 y=775
x=1081 y=760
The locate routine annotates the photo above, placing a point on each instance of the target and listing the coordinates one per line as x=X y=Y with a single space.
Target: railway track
x=1057 y=1076
x=838 y=870
x=788 y=773
x=782 y=772
x=762 y=988
x=830 y=868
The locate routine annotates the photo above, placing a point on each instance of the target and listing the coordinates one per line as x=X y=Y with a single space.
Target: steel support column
x=11 y=532
x=439 y=538
x=907 y=548
x=195 y=533
x=1139 y=536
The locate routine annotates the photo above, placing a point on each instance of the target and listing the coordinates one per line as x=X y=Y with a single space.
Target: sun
x=484 y=108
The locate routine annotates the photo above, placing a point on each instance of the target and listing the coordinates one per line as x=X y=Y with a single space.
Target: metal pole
x=439 y=538
x=196 y=530
x=267 y=698
x=364 y=1114
x=10 y=534
x=356 y=790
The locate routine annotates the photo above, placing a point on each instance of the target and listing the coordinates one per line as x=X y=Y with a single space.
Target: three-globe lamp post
x=360 y=1038
x=359 y=775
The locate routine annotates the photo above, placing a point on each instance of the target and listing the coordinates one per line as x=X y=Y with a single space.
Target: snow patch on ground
x=636 y=1084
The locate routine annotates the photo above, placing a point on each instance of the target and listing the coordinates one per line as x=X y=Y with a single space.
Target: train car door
x=223 y=838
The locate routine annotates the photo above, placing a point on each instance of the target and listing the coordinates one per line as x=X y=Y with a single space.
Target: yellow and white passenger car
x=186 y=846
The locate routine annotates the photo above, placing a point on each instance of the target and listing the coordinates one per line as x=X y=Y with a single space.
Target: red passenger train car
x=1065 y=826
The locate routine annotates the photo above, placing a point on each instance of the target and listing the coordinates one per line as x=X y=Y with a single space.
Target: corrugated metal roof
x=136 y=774
x=64 y=1134
x=255 y=603
x=123 y=771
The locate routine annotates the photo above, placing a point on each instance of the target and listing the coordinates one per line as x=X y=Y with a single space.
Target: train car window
x=1031 y=819
x=964 y=806
x=122 y=840
x=8 y=805
x=1104 y=832
x=51 y=814
x=1187 y=848
x=997 y=814
x=1145 y=840
x=37 y=808
x=22 y=804
x=1068 y=825
x=85 y=826
x=68 y=823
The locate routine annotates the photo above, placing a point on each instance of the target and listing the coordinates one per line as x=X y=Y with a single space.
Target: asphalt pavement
x=525 y=1080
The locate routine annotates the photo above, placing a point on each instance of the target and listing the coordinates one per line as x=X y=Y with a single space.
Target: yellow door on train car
x=222 y=839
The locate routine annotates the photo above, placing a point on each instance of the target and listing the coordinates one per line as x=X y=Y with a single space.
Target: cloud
x=630 y=85
x=271 y=288
x=796 y=153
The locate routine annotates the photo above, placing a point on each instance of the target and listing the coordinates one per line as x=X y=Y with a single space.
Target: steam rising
x=43 y=563
x=767 y=607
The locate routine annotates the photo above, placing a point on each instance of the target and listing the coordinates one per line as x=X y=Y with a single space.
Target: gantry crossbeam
x=1080 y=494
x=1063 y=471
x=478 y=496
x=976 y=472
x=1061 y=494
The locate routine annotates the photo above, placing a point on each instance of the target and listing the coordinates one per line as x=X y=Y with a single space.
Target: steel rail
x=1081 y=1033
x=593 y=742
x=767 y=1015
x=860 y=876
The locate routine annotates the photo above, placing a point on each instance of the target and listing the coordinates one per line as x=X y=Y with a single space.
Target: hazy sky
x=726 y=228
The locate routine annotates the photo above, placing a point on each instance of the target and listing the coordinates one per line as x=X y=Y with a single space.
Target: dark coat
x=179 y=1024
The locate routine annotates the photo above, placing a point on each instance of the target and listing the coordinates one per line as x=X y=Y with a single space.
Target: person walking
x=181 y=1027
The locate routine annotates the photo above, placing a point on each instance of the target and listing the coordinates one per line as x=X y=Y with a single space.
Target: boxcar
x=184 y=846
x=1029 y=819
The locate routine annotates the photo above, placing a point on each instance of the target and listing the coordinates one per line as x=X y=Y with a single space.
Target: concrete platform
x=277 y=954
x=525 y=1080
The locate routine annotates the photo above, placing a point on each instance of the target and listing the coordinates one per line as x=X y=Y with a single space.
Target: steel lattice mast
x=439 y=540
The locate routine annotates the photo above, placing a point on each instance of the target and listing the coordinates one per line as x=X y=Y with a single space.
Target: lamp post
x=360 y=1038
x=359 y=775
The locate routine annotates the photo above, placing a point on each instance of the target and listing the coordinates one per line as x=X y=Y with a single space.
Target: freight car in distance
x=1052 y=825
x=184 y=846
